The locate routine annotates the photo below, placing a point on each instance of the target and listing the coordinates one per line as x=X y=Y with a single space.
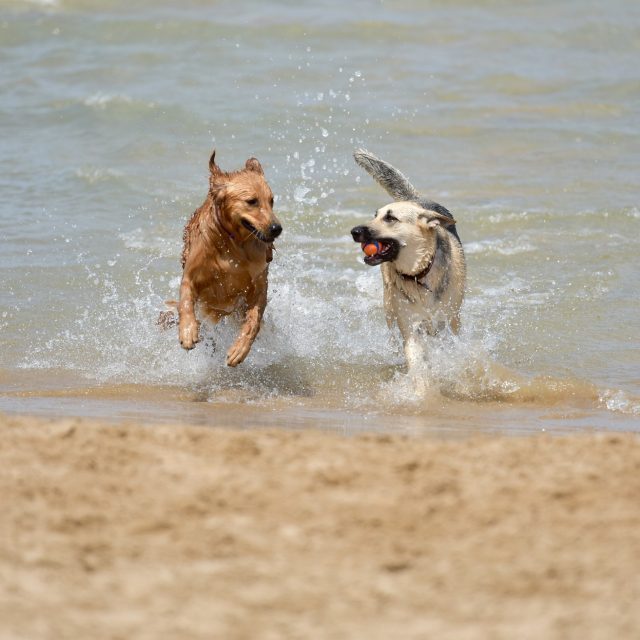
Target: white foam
x=45 y=3
x=620 y=402
x=101 y=100
x=507 y=217
x=93 y=175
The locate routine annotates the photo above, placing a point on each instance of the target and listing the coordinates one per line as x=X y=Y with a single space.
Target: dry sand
x=181 y=532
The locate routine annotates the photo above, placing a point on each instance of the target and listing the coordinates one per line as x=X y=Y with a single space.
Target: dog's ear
x=431 y=220
x=253 y=165
x=213 y=167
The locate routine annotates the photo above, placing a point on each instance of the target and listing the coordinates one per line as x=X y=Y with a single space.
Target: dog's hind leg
x=169 y=318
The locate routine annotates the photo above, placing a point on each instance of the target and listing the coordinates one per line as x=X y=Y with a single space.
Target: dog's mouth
x=256 y=232
x=387 y=250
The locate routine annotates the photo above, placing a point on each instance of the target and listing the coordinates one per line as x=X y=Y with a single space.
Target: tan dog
x=228 y=244
x=423 y=265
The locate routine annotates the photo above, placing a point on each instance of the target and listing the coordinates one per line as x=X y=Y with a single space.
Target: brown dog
x=228 y=244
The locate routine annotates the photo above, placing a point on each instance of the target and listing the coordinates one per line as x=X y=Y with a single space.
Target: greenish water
x=521 y=118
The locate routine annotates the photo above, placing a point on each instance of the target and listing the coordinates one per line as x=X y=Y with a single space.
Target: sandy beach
x=175 y=531
x=320 y=490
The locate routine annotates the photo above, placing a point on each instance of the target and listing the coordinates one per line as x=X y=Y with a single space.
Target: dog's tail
x=386 y=175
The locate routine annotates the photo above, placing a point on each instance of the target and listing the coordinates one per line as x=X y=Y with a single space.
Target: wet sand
x=177 y=531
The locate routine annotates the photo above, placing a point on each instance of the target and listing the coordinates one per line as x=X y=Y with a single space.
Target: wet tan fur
x=427 y=306
x=225 y=266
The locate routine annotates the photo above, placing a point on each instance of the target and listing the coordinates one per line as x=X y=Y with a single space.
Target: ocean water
x=521 y=118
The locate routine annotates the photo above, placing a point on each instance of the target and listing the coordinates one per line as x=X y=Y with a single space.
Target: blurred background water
x=521 y=118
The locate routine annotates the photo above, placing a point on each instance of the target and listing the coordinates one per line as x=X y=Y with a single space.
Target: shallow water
x=521 y=118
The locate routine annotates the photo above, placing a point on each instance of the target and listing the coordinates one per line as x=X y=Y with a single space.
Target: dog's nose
x=275 y=230
x=358 y=233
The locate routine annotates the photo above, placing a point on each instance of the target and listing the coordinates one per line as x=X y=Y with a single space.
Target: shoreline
x=544 y=405
x=129 y=530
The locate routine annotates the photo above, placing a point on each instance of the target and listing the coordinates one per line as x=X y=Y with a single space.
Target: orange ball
x=371 y=249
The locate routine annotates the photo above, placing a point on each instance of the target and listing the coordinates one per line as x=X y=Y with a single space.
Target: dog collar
x=419 y=276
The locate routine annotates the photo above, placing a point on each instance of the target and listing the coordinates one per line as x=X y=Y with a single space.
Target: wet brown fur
x=225 y=264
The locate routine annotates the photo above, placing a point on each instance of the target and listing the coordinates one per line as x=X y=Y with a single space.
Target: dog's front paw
x=238 y=352
x=189 y=334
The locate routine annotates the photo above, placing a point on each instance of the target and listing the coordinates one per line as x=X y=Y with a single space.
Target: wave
x=156 y=243
x=502 y=246
x=94 y=175
x=44 y=3
x=101 y=100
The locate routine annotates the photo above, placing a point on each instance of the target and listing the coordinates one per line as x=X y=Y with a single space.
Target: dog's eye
x=252 y=202
x=389 y=217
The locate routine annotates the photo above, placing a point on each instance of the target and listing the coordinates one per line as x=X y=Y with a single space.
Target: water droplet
x=300 y=192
